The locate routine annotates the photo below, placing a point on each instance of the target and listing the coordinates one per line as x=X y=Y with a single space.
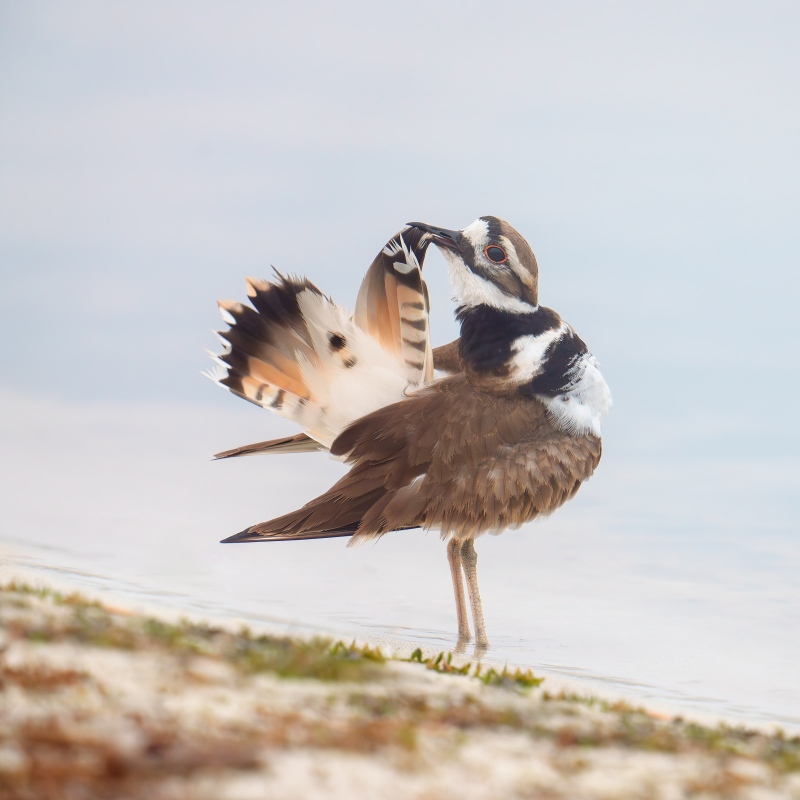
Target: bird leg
x=454 y=559
x=469 y=559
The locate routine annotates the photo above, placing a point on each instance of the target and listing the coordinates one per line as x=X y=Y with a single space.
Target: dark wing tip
x=246 y=535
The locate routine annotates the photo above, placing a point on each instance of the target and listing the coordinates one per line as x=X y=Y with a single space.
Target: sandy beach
x=98 y=701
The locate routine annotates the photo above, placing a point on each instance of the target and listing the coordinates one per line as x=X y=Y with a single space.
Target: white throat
x=472 y=290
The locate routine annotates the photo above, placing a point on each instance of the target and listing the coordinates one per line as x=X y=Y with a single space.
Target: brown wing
x=448 y=457
x=299 y=443
x=483 y=462
x=447 y=358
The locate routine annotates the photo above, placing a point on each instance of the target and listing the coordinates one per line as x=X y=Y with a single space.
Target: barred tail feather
x=393 y=304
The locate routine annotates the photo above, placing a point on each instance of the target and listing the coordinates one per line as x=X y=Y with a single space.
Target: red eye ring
x=493 y=256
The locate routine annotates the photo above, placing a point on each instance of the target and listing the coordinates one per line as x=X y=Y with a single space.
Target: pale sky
x=153 y=154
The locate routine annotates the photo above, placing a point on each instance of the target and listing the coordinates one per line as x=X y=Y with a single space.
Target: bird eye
x=496 y=254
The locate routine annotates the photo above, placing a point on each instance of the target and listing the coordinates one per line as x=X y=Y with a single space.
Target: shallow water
x=671 y=581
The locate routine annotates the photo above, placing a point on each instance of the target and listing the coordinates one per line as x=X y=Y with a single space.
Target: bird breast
x=539 y=357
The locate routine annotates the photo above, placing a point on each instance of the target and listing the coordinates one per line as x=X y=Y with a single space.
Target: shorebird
x=508 y=434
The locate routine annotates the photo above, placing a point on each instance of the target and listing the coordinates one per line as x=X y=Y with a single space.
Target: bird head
x=490 y=264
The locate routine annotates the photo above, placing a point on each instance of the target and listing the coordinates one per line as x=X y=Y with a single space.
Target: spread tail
x=296 y=352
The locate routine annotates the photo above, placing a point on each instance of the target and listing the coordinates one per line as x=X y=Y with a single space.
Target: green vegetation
x=91 y=624
x=519 y=679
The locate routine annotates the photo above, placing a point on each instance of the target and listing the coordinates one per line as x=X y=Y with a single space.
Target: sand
x=103 y=702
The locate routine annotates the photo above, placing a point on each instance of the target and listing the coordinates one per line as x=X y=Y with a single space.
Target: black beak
x=440 y=236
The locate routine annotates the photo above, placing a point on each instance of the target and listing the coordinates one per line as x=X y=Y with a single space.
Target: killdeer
x=508 y=434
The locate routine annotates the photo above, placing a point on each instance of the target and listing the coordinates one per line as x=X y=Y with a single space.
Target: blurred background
x=154 y=154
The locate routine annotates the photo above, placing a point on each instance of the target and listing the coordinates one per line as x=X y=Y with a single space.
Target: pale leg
x=454 y=558
x=469 y=560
